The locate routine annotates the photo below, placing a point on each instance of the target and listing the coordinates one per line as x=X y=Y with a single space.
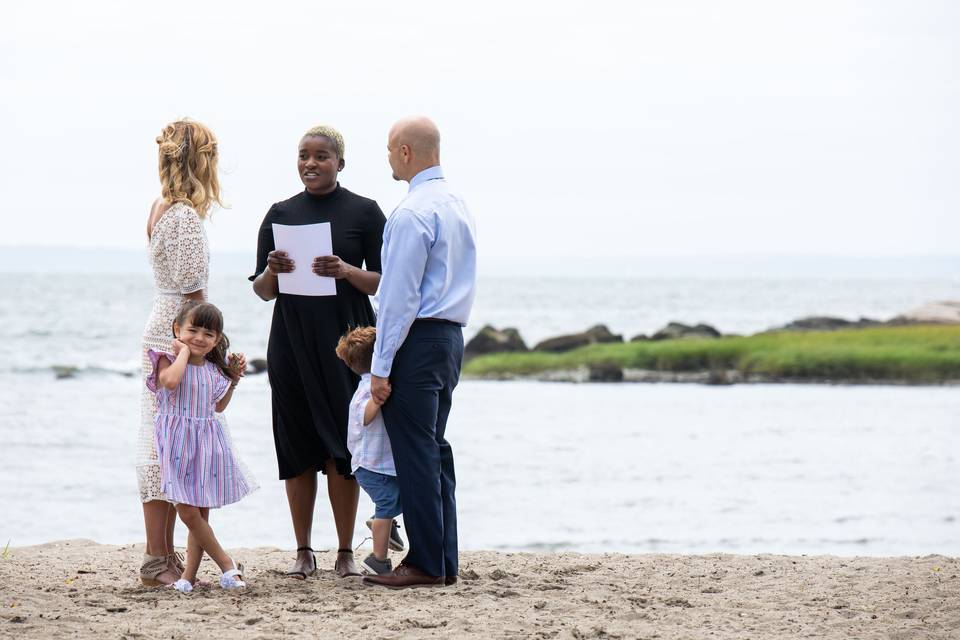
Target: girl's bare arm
x=170 y=374
x=225 y=400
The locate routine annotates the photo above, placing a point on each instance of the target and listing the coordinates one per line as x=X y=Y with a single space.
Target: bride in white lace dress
x=180 y=257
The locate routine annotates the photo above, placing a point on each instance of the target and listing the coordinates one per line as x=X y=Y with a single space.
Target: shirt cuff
x=381 y=366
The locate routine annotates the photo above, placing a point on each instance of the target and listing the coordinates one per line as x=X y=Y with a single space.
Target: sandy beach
x=80 y=589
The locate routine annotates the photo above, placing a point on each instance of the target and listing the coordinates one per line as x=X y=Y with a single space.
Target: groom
x=426 y=292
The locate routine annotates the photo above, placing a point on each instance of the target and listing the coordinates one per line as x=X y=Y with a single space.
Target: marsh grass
x=918 y=353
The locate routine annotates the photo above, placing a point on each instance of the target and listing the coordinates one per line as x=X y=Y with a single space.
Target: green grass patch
x=920 y=353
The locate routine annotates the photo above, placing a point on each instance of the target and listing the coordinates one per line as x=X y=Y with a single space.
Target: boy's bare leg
x=381 y=536
x=200 y=530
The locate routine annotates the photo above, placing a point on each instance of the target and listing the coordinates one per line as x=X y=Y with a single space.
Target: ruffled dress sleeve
x=152 y=382
x=221 y=384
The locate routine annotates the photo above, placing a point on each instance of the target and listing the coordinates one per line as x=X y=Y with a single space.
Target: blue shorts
x=383 y=490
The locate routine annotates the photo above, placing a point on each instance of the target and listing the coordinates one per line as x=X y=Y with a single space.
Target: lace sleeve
x=192 y=258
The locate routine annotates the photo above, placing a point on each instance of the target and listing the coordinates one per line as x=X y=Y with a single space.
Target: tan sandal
x=152 y=568
x=175 y=562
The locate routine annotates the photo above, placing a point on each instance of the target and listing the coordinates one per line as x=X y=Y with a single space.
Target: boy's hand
x=379 y=389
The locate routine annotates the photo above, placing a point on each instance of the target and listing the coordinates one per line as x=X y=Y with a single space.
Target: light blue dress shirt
x=429 y=262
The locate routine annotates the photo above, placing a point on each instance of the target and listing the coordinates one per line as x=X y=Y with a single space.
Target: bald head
x=413 y=145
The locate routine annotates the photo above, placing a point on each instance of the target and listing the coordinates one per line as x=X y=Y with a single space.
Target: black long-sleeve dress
x=311 y=387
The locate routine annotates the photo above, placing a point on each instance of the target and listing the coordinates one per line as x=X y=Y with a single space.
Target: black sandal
x=302 y=575
x=345 y=573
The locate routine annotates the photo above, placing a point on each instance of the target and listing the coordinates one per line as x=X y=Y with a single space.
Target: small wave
x=66 y=371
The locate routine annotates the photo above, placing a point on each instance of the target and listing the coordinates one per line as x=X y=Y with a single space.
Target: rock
x=600 y=333
x=256 y=365
x=946 y=311
x=593 y=335
x=723 y=377
x=605 y=372
x=826 y=323
x=491 y=340
x=677 y=330
x=564 y=343
x=64 y=371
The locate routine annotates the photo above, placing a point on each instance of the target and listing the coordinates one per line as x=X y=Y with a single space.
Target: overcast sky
x=594 y=128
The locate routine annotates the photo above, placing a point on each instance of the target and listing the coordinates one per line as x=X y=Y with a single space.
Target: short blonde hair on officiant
x=332 y=134
x=188 y=165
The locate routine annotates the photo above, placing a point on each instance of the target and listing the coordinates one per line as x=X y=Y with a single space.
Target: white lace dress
x=180 y=257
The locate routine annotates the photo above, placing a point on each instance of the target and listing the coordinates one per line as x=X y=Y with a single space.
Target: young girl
x=198 y=467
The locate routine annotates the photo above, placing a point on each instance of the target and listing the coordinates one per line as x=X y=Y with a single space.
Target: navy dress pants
x=425 y=371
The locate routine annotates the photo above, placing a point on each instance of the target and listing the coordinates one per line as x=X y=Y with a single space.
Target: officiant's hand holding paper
x=303 y=243
x=279 y=262
x=331 y=267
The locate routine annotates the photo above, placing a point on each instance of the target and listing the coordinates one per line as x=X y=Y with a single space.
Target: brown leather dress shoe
x=450 y=580
x=404 y=577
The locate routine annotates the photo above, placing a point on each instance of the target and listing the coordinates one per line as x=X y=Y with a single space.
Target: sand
x=80 y=589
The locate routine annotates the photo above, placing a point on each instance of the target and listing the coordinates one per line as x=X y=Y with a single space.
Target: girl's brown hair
x=356 y=348
x=207 y=316
x=188 y=165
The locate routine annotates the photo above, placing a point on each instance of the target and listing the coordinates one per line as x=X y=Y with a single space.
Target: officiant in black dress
x=311 y=387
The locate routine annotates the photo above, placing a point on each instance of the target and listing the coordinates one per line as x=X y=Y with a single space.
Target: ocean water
x=541 y=466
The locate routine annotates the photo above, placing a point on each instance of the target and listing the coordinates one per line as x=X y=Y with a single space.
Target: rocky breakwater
x=921 y=346
x=491 y=340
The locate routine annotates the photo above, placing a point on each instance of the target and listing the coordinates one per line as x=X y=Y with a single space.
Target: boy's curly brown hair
x=356 y=348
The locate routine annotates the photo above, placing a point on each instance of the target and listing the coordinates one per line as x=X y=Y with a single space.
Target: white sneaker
x=229 y=579
x=183 y=586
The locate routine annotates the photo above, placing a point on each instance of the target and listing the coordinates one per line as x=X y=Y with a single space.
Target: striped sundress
x=198 y=463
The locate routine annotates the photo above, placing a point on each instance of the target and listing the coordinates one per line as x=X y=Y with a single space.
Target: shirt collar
x=430 y=173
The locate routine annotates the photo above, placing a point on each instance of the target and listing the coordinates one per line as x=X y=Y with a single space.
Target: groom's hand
x=379 y=389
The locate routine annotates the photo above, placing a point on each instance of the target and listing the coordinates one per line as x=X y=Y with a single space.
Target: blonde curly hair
x=330 y=133
x=188 y=165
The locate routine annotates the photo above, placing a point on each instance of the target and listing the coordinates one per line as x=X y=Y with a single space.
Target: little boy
x=372 y=458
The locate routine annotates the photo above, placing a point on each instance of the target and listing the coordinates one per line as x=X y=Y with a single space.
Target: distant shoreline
x=923 y=354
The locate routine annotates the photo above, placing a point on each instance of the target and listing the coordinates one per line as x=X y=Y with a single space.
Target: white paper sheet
x=303 y=243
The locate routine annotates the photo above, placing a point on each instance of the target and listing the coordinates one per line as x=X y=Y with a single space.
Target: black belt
x=439 y=320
